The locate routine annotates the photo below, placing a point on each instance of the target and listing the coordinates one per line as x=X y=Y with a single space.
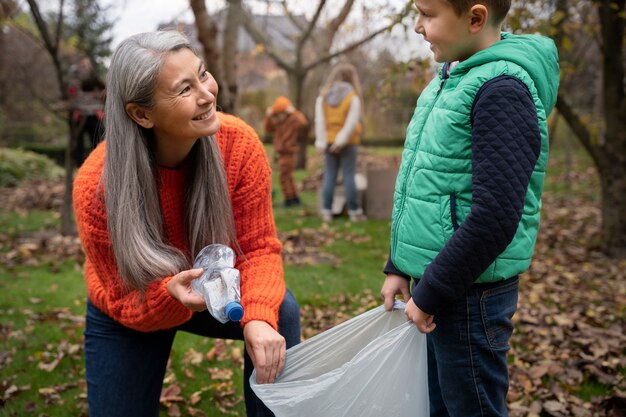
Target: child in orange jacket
x=287 y=124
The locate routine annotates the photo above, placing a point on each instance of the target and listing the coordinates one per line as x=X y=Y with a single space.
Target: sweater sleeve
x=301 y=120
x=321 y=139
x=268 y=124
x=261 y=267
x=505 y=146
x=153 y=310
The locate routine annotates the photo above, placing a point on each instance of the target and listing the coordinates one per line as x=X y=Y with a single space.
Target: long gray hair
x=130 y=176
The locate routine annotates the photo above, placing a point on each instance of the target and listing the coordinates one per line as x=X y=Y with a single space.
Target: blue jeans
x=467 y=364
x=125 y=368
x=332 y=161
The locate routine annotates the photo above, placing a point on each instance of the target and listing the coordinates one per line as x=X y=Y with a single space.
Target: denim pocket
x=498 y=305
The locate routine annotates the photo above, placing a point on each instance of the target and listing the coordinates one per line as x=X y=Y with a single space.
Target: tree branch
x=43 y=28
x=257 y=35
x=334 y=24
x=291 y=17
x=576 y=124
x=612 y=25
x=328 y=57
x=309 y=30
x=59 y=31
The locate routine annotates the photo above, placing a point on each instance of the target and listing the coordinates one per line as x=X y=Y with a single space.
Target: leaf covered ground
x=568 y=349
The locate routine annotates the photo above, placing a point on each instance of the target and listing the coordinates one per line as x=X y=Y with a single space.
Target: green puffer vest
x=433 y=193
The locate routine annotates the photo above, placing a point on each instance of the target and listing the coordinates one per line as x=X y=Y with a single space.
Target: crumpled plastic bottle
x=219 y=284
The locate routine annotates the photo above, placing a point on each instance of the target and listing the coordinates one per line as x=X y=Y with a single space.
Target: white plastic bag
x=373 y=365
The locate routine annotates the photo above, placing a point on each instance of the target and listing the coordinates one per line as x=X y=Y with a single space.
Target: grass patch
x=41 y=328
x=591 y=388
x=42 y=304
x=360 y=259
x=14 y=223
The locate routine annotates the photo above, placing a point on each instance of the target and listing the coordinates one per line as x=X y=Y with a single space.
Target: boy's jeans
x=347 y=160
x=467 y=366
x=125 y=368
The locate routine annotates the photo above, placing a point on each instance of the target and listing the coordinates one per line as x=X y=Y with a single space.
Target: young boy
x=286 y=124
x=468 y=197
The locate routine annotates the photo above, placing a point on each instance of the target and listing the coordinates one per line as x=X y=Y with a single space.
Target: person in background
x=338 y=134
x=286 y=124
x=468 y=197
x=87 y=98
x=172 y=176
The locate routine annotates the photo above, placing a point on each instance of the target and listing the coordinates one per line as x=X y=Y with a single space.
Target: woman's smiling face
x=185 y=102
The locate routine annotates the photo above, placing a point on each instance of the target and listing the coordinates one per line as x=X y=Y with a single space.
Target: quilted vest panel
x=433 y=193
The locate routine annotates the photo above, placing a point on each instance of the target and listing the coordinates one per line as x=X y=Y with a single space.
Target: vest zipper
x=455 y=221
x=444 y=76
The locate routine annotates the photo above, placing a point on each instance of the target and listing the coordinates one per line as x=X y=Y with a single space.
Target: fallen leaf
x=171 y=394
x=192 y=357
x=173 y=410
x=221 y=373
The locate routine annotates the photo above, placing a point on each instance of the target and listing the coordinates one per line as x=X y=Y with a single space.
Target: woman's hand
x=266 y=348
x=179 y=287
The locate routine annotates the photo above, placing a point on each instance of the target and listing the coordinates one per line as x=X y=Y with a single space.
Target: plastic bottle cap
x=234 y=311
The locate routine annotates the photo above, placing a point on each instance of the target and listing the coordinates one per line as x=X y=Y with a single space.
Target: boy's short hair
x=497 y=8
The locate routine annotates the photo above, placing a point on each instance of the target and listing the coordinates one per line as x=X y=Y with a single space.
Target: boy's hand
x=423 y=321
x=394 y=284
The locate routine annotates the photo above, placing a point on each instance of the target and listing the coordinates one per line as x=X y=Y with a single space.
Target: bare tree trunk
x=230 y=42
x=68 y=226
x=3 y=77
x=612 y=178
x=296 y=83
x=207 y=35
x=612 y=152
x=608 y=148
x=53 y=46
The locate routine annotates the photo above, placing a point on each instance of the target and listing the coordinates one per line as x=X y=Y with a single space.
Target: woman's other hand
x=266 y=348
x=179 y=287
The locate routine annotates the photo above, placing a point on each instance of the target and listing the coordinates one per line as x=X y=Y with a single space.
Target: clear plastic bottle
x=219 y=284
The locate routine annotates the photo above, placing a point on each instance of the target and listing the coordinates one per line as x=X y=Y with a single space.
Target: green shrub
x=52 y=151
x=17 y=165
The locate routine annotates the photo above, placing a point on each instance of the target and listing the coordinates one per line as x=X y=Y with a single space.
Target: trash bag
x=373 y=365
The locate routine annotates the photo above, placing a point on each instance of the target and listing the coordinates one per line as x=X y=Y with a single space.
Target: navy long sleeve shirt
x=506 y=142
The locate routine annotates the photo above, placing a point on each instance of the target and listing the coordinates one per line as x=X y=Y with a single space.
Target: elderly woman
x=172 y=176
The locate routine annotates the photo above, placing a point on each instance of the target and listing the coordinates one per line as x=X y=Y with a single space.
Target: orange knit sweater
x=248 y=173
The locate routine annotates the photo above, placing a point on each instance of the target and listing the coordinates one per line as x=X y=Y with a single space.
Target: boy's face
x=447 y=33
